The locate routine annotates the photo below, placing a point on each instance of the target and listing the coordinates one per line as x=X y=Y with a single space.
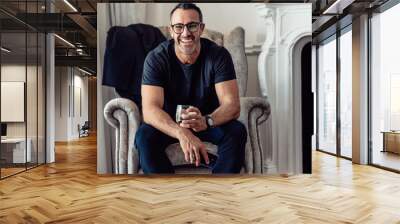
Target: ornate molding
x=293 y=35
x=268 y=15
x=264 y=11
x=285 y=25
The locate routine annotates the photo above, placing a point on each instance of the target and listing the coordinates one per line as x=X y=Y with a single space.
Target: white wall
x=13 y=72
x=33 y=126
x=17 y=72
x=80 y=83
x=253 y=83
x=67 y=115
x=61 y=103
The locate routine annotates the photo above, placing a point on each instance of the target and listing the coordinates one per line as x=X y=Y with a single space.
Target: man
x=190 y=70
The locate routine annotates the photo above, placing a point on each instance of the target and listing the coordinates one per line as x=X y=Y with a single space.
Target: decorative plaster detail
x=292 y=35
x=275 y=68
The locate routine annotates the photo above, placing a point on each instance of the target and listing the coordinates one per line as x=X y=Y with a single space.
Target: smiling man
x=189 y=70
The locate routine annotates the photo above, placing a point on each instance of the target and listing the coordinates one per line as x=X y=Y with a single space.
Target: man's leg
x=151 y=144
x=231 y=140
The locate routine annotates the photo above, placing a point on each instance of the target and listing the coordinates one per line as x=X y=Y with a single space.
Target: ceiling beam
x=84 y=24
x=337 y=7
x=83 y=61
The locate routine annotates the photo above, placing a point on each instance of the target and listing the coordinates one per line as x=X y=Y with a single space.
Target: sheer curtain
x=108 y=15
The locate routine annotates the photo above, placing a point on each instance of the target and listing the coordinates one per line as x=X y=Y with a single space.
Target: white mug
x=178 y=113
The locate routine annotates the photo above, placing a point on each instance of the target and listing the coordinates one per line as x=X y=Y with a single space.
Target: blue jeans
x=230 y=138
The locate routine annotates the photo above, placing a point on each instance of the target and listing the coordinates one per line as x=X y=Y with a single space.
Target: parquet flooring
x=10 y=171
x=70 y=191
x=387 y=159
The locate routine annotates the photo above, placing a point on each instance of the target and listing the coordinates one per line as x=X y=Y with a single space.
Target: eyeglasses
x=191 y=27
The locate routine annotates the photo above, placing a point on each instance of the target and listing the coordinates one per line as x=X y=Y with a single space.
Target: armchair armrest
x=253 y=112
x=125 y=117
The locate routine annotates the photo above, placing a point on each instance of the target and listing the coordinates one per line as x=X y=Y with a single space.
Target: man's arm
x=154 y=115
x=229 y=109
x=228 y=97
x=227 y=89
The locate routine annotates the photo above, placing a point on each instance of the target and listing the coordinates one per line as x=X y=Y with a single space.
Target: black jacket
x=126 y=49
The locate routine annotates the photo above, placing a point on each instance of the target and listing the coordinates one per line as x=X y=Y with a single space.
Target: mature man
x=190 y=70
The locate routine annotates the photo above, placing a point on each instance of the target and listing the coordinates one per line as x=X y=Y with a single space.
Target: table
x=391 y=141
x=13 y=150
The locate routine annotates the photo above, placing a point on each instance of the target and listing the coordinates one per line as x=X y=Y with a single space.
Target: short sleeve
x=153 y=70
x=223 y=66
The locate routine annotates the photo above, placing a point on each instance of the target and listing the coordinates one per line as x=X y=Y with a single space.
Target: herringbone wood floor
x=70 y=191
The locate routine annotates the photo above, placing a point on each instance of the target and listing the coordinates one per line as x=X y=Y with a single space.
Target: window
x=385 y=89
x=394 y=102
x=334 y=137
x=327 y=97
x=22 y=75
x=346 y=93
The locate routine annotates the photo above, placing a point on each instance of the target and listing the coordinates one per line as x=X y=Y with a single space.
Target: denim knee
x=145 y=137
x=237 y=132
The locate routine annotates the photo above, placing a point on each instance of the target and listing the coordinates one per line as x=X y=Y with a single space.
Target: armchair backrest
x=234 y=43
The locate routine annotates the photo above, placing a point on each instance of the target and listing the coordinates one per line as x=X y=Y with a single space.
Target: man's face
x=186 y=42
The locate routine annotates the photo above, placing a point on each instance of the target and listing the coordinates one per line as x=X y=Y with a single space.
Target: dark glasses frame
x=198 y=25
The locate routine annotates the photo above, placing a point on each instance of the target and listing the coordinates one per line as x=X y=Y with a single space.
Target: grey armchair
x=125 y=117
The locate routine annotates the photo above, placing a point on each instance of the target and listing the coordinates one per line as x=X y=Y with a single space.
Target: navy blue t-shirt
x=189 y=84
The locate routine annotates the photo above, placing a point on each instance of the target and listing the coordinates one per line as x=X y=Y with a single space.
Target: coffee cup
x=179 y=110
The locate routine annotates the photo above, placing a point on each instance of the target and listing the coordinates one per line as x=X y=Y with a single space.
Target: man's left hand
x=192 y=118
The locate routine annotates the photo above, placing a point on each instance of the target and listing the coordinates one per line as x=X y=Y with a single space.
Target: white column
x=50 y=99
x=360 y=90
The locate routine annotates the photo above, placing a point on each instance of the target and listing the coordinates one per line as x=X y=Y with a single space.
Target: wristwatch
x=209 y=121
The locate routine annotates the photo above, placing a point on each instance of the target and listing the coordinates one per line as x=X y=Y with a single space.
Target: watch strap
x=208 y=118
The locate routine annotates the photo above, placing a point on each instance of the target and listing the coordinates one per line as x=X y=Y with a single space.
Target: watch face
x=210 y=121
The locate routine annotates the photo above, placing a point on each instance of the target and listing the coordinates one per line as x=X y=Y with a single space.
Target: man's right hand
x=192 y=147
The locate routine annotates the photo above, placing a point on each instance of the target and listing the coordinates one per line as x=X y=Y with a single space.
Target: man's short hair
x=187 y=6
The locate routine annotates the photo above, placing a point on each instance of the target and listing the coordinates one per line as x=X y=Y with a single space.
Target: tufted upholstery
x=124 y=115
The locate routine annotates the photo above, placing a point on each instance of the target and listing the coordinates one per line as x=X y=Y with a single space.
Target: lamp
x=84 y=71
x=5 y=49
x=337 y=7
x=70 y=5
x=64 y=40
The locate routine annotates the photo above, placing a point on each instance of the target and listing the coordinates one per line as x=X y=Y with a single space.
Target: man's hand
x=192 y=118
x=192 y=147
